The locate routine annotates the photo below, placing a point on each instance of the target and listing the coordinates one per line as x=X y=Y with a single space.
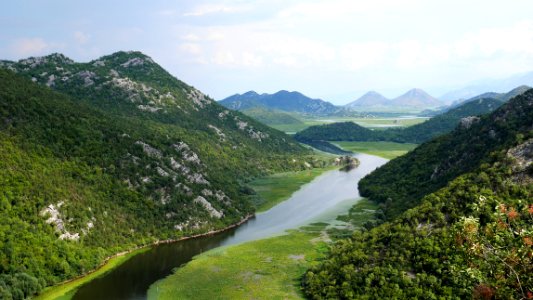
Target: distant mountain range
x=414 y=98
x=282 y=100
x=295 y=102
x=442 y=122
x=503 y=97
x=493 y=85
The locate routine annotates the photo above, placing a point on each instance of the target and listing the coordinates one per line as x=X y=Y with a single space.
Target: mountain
x=419 y=133
x=494 y=85
x=498 y=96
x=102 y=157
x=442 y=123
x=371 y=98
x=412 y=99
x=416 y=98
x=282 y=100
x=456 y=219
x=503 y=97
x=270 y=116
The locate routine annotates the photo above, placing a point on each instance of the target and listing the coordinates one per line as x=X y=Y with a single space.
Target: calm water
x=325 y=196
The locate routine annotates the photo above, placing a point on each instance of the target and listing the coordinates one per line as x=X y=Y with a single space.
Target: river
x=329 y=194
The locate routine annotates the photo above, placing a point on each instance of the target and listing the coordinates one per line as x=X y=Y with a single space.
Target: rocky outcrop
x=207 y=205
x=522 y=156
x=467 y=122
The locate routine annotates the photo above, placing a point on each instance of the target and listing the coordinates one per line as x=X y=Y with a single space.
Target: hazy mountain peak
x=418 y=98
x=371 y=98
x=249 y=94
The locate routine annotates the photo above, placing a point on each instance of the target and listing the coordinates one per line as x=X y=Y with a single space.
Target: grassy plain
x=377 y=123
x=388 y=150
x=263 y=269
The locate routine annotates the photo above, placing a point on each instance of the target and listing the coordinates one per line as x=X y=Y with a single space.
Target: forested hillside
x=459 y=219
x=419 y=133
x=121 y=154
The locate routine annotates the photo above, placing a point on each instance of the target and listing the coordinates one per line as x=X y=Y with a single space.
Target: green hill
x=294 y=102
x=419 y=133
x=117 y=153
x=271 y=116
x=458 y=219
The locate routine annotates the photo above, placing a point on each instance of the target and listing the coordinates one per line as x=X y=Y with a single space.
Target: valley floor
x=387 y=150
x=269 y=268
x=376 y=122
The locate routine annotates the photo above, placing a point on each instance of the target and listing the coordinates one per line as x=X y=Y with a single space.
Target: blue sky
x=332 y=49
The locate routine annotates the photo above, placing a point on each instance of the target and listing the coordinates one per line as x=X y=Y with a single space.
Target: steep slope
x=371 y=98
x=443 y=123
x=416 y=98
x=405 y=180
x=116 y=161
x=469 y=233
x=282 y=100
x=416 y=134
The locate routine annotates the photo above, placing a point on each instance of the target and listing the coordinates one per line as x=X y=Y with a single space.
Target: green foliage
x=419 y=133
x=117 y=174
x=271 y=116
x=457 y=244
x=263 y=269
x=469 y=231
x=404 y=181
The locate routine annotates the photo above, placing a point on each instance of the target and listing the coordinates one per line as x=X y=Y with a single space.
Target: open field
x=387 y=150
x=378 y=122
x=263 y=269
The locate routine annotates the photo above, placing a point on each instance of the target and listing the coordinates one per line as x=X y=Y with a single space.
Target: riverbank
x=262 y=269
x=67 y=289
x=274 y=189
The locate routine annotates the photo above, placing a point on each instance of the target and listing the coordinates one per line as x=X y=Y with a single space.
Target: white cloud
x=335 y=9
x=207 y=9
x=191 y=37
x=191 y=48
x=29 y=46
x=166 y=12
x=356 y=56
x=81 y=37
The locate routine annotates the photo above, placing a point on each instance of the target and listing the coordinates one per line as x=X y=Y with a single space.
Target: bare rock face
x=523 y=162
x=149 y=150
x=212 y=211
x=87 y=77
x=467 y=122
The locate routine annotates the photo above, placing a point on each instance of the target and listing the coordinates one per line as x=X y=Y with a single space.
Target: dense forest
x=436 y=126
x=457 y=219
x=105 y=156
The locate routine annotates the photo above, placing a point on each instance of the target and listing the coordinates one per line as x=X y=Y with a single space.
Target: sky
x=330 y=49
